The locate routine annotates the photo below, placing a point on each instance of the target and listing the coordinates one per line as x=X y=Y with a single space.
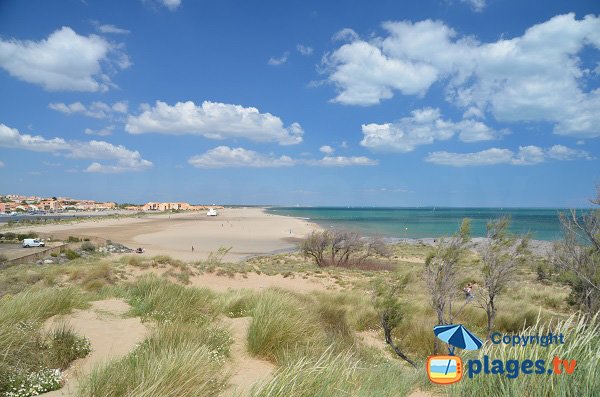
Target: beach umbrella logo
x=447 y=369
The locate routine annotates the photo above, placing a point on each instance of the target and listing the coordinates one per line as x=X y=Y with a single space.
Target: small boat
x=212 y=212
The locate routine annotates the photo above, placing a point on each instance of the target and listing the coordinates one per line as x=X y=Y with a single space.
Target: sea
x=417 y=223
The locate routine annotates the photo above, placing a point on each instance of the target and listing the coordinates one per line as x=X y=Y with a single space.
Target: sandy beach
x=248 y=231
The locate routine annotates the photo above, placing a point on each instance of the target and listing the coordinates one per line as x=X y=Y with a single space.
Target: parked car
x=33 y=242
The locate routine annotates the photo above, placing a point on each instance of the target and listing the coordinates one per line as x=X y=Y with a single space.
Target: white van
x=33 y=242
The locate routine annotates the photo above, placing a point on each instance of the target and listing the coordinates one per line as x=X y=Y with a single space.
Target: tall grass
x=178 y=360
x=282 y=321
x=341 y=374
x=29 y=360
x=155 y=298
x=582 y=343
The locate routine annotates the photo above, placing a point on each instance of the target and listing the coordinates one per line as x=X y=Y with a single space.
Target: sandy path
x=249 y=231
x=111 y=336
x=245 y=369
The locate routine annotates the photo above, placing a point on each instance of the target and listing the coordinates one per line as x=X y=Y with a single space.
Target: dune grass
x=156 y=298
x=30 y=359
x=283 y=321
x=338 y=374
x=178 y=360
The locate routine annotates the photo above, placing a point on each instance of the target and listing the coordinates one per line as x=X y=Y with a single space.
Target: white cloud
x=423 y=126
x=476 y=5
x=126 y=160
x=107 y=28
x=560 y=152
x=106 y=131
x=172 y=5
x=63 y=61
x=214 y=120
x=326 y=149
x=304 y=50
x=1 y=164
x=537 y=76
x=343 y=161
x=99 y=110
x=276 y=61
x=345 y=34
x=225 y=157
x=527 y=155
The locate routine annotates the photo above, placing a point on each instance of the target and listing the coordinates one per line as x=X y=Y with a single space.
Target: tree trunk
x=388 y=339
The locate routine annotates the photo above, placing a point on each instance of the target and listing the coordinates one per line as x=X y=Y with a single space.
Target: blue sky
x=442 y=102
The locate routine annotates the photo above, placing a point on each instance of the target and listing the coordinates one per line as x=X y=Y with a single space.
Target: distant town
x=15 y=204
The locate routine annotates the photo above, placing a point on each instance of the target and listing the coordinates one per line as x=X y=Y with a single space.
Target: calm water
x=429 y=222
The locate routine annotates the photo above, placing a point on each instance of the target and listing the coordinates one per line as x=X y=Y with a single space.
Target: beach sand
x=248 y=231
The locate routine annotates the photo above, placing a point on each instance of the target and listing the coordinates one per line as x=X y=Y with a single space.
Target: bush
x=73 y=239
x=71 y=254
x=87 y=246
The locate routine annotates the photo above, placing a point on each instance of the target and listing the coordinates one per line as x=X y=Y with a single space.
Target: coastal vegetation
x=334 y=328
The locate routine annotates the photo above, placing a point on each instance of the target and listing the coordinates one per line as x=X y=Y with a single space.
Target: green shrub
x=73 y=239
x=87 y=246
x=71 y=254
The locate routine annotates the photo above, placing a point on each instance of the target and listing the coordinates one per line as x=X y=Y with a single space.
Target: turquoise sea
x=542 y=223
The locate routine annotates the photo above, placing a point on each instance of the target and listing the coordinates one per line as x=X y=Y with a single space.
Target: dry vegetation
x=313 y=339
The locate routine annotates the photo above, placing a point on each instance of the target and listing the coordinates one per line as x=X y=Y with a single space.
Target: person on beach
x=192 y=248
x=468 y=290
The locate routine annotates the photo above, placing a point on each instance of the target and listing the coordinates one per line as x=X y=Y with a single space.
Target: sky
x=491 y=103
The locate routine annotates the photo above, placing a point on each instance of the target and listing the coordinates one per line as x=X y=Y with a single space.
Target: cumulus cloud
x=423 y=126
x=276 y=61
x=64 y=61
x=527 y=155
x=326 y=149
x=99 y=110
x=214 y=120
x=304 y=50
x=125 y=159
x=537 y=76
x=227 y=157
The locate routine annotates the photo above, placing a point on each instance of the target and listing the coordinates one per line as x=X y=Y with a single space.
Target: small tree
x=390 y=312
x=340 y=247
x=440 y=273
x=501 y=255
x=579 y=255
x=314 y=246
